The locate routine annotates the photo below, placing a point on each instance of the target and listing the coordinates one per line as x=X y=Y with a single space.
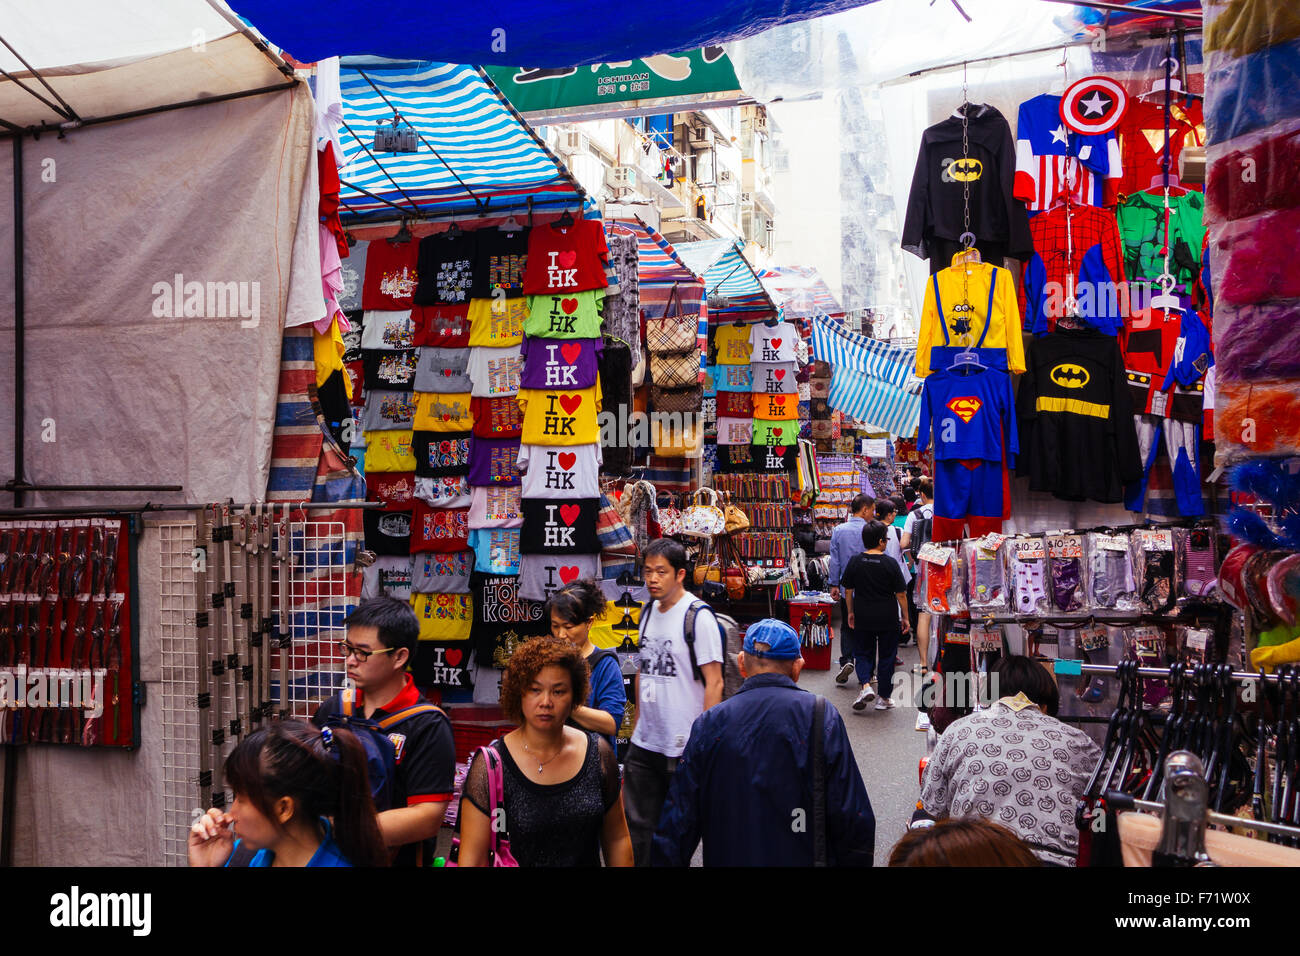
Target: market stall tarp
x=871 y=381
x=511 y=32
x=728 y=273
x=800 y=291
x=663 y=276
x=472 y=148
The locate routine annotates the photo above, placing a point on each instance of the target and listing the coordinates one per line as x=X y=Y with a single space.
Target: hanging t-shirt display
x=444 y=326
x=436 y=412
x=436 y=573
x=758 y=458
x=391 y=275
x=495 y=372
x=737 y=378
x=774 y=379
x=560 y=417
x=390 y=575
x=540 y=575
x=396 y=490
x=442 y=370
x=566 y=258
x=443 y=617
x=496 y=550
x=572 y=316
x=775 y=432
x=388 y=411
x=450 y=492
x=391 y=371
x=968 y=413
x=560 y=527
x=560 y=472
x=1076 y=253
x=493 y=461
x=502 y=619
x=446 y=267
x=500 y=506
x=391 y=330
x=735 y=405
x=1141 y=219
x=772 y=344
x=731 y=342
x=442 y=664
x=497 y=417
x=354 y=277
x=772 y=406
x=549 y=363
x=389 y=451
x=499 y=263
x=736 y=431
x=441 y=454
x=1052 y=159
x=388 y=532
x=497 y=323
x=970 y=305
x=439 y=529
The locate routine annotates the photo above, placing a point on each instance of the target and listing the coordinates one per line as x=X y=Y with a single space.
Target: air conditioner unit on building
x=746 y=198
x=700 y=136
x=573 y=141
x=621 y=177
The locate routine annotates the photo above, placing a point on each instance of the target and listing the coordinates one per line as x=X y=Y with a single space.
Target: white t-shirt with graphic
x=772 y=343
x=560 y=471
x=671 y=697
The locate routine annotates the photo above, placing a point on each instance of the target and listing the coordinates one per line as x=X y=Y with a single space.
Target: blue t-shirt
x=327 y=854
x=607 y=691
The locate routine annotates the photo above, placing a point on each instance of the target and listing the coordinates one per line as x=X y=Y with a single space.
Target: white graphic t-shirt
x=772 y=343
x=671 y=697
x=560 y=471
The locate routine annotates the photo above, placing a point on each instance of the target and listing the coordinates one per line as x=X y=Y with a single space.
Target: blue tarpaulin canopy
x=515 y=32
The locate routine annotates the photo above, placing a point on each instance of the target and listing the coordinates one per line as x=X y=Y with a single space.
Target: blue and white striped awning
x=726 y=272
x=471 y=144
x=871 y=381
x=657 y=259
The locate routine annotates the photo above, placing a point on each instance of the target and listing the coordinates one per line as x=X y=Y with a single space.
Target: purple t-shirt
x=561 y=363
x=493 y=461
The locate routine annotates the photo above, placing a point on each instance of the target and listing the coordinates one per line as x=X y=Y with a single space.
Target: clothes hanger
x=968 y=359
x=564 y=222
x=626 y=624
x=1166 y=299
x=628 y=579
x=511 y=225
x=402 y=236
x=771 y=323
x=454 y=231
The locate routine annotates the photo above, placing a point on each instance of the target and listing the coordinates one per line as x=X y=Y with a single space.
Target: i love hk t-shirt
x=556 y=417
x=573 y=316
x=560 y=472
x=773 y=406
x=770 y=344
x=540 y=575
x=560 y=527
x=391 y=275
x=437 y=412
x=775 y=432
x=775 y=379
x=566 y=258
x=551 y=363
x=731 y=342
x=496 y=323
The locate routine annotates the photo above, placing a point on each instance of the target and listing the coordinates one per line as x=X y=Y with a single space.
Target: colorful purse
x=703 y=520
x=676 y=370
x=673 y=333
x=669 y=518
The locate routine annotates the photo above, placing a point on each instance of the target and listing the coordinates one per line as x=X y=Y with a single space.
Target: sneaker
x=922 y=721
x=883 y=703
x=863 y=699
x=899 y=662
x=846 y=671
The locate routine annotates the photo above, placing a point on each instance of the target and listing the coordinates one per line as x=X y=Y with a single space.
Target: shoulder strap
x=819 y=781
x=644 y=620
x=988 y=311
x=406 y=713
x=496 y=796
x=345 y=701
x=938 y=304
x=692 y=612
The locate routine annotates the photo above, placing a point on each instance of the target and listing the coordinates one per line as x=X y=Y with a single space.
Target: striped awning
x=726 y=272
x=658 y=260
x=474 y=154
x=871 y=381
x=800 y=291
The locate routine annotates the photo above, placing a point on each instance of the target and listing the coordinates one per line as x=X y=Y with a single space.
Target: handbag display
x=708 y=567
x=682 y=400
x=677 y=370
x=669 y=517
x=703 y=520
x=499 y=846
x=675 y=332
x=734 y=518
x=673 y=441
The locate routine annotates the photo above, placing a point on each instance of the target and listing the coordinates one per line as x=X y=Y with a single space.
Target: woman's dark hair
x=873 y=535
x=668 y=549
x=527 y=662
x=899 y=503
x=885 y=506
x=289 y=759
x=909 y=497
x=1018 y=674
x=393 y=619
x=576 y=602
x=970 y=842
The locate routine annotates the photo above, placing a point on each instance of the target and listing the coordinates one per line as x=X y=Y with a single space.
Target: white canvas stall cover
x=133 y=390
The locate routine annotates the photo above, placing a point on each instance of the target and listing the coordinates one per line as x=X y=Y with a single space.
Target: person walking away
x=747 y=776
x=571 y=612
x=846 y=541
x=680 y=677
x=886 y=514
x=875 y=592
x=916 y=532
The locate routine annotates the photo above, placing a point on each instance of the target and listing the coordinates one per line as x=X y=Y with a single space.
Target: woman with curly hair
x=563 y=800
x=571 y=611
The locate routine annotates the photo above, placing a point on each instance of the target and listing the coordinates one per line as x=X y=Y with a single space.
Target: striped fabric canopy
x=471 y=144
x=727 y=272
x=800 y=291
x=870 y=380
x=658 y=261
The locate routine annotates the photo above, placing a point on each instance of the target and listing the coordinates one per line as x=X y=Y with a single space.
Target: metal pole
x=147 y=508
x=1157 y=672
x=22 y=486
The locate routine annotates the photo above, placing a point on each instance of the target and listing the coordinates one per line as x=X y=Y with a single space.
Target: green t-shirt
x=771 y=432
x=573 y=315
x=1141 y=230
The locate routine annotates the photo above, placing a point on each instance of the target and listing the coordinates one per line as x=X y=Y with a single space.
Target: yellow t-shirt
x=1004 y=333
x=438 y=412
x=497 y=329
x=327 y=350
x=732 y=344
x=389 y=451
x=602 y=628
x=776 y=407
x=560 y=416
x=443 y=617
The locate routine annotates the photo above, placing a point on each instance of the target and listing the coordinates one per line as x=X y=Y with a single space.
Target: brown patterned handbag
x=674 y=332
x=675 y=371
x=682 y=400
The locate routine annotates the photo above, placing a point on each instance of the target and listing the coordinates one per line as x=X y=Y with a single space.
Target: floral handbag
x=670 y=518
x=673 y=333
x=703 y=520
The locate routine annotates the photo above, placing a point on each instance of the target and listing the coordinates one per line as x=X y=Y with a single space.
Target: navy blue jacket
x=744 y=785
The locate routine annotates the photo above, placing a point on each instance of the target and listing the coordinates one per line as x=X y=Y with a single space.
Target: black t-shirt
x=502 y=619
x=441 y=454
x=388 y=532
x=876 y=581
x=559 y=527
x=499 y=263
x=446 y=269
x=390 y=371
x=745 y=459
x=426 y=760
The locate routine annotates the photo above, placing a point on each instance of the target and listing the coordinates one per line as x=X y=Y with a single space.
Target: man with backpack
x=754 y=783
x=680 y=676
x=410 y=751
x=916 y=532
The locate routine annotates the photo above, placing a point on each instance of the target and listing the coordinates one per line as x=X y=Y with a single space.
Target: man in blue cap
x=747 y=782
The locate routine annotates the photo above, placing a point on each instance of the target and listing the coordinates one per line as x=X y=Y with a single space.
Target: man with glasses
x=380 y=642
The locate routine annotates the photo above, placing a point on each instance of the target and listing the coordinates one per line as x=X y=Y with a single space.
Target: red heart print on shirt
x=776 y=432
x=779 y=373
x=568 y=575
x=567 y=259
x=569 y=513
x=567 y=460
x=446 y=373
x=571 y=352
x=568 y=305
x=570 y=403
x=453 y=657
x=776 y=343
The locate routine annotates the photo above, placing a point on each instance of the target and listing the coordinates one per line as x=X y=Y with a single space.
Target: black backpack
x=376 y=737
x=920 y=532
x=732 y=640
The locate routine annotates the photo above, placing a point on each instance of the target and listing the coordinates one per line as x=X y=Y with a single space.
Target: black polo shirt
x=426 y=757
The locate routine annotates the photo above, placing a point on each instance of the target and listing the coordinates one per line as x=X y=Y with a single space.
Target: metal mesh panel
x=180 y=664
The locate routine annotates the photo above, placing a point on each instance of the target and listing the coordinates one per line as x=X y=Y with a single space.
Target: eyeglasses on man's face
x=362 y=654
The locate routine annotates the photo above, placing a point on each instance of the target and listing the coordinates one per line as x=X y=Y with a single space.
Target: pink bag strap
x=496 y=794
